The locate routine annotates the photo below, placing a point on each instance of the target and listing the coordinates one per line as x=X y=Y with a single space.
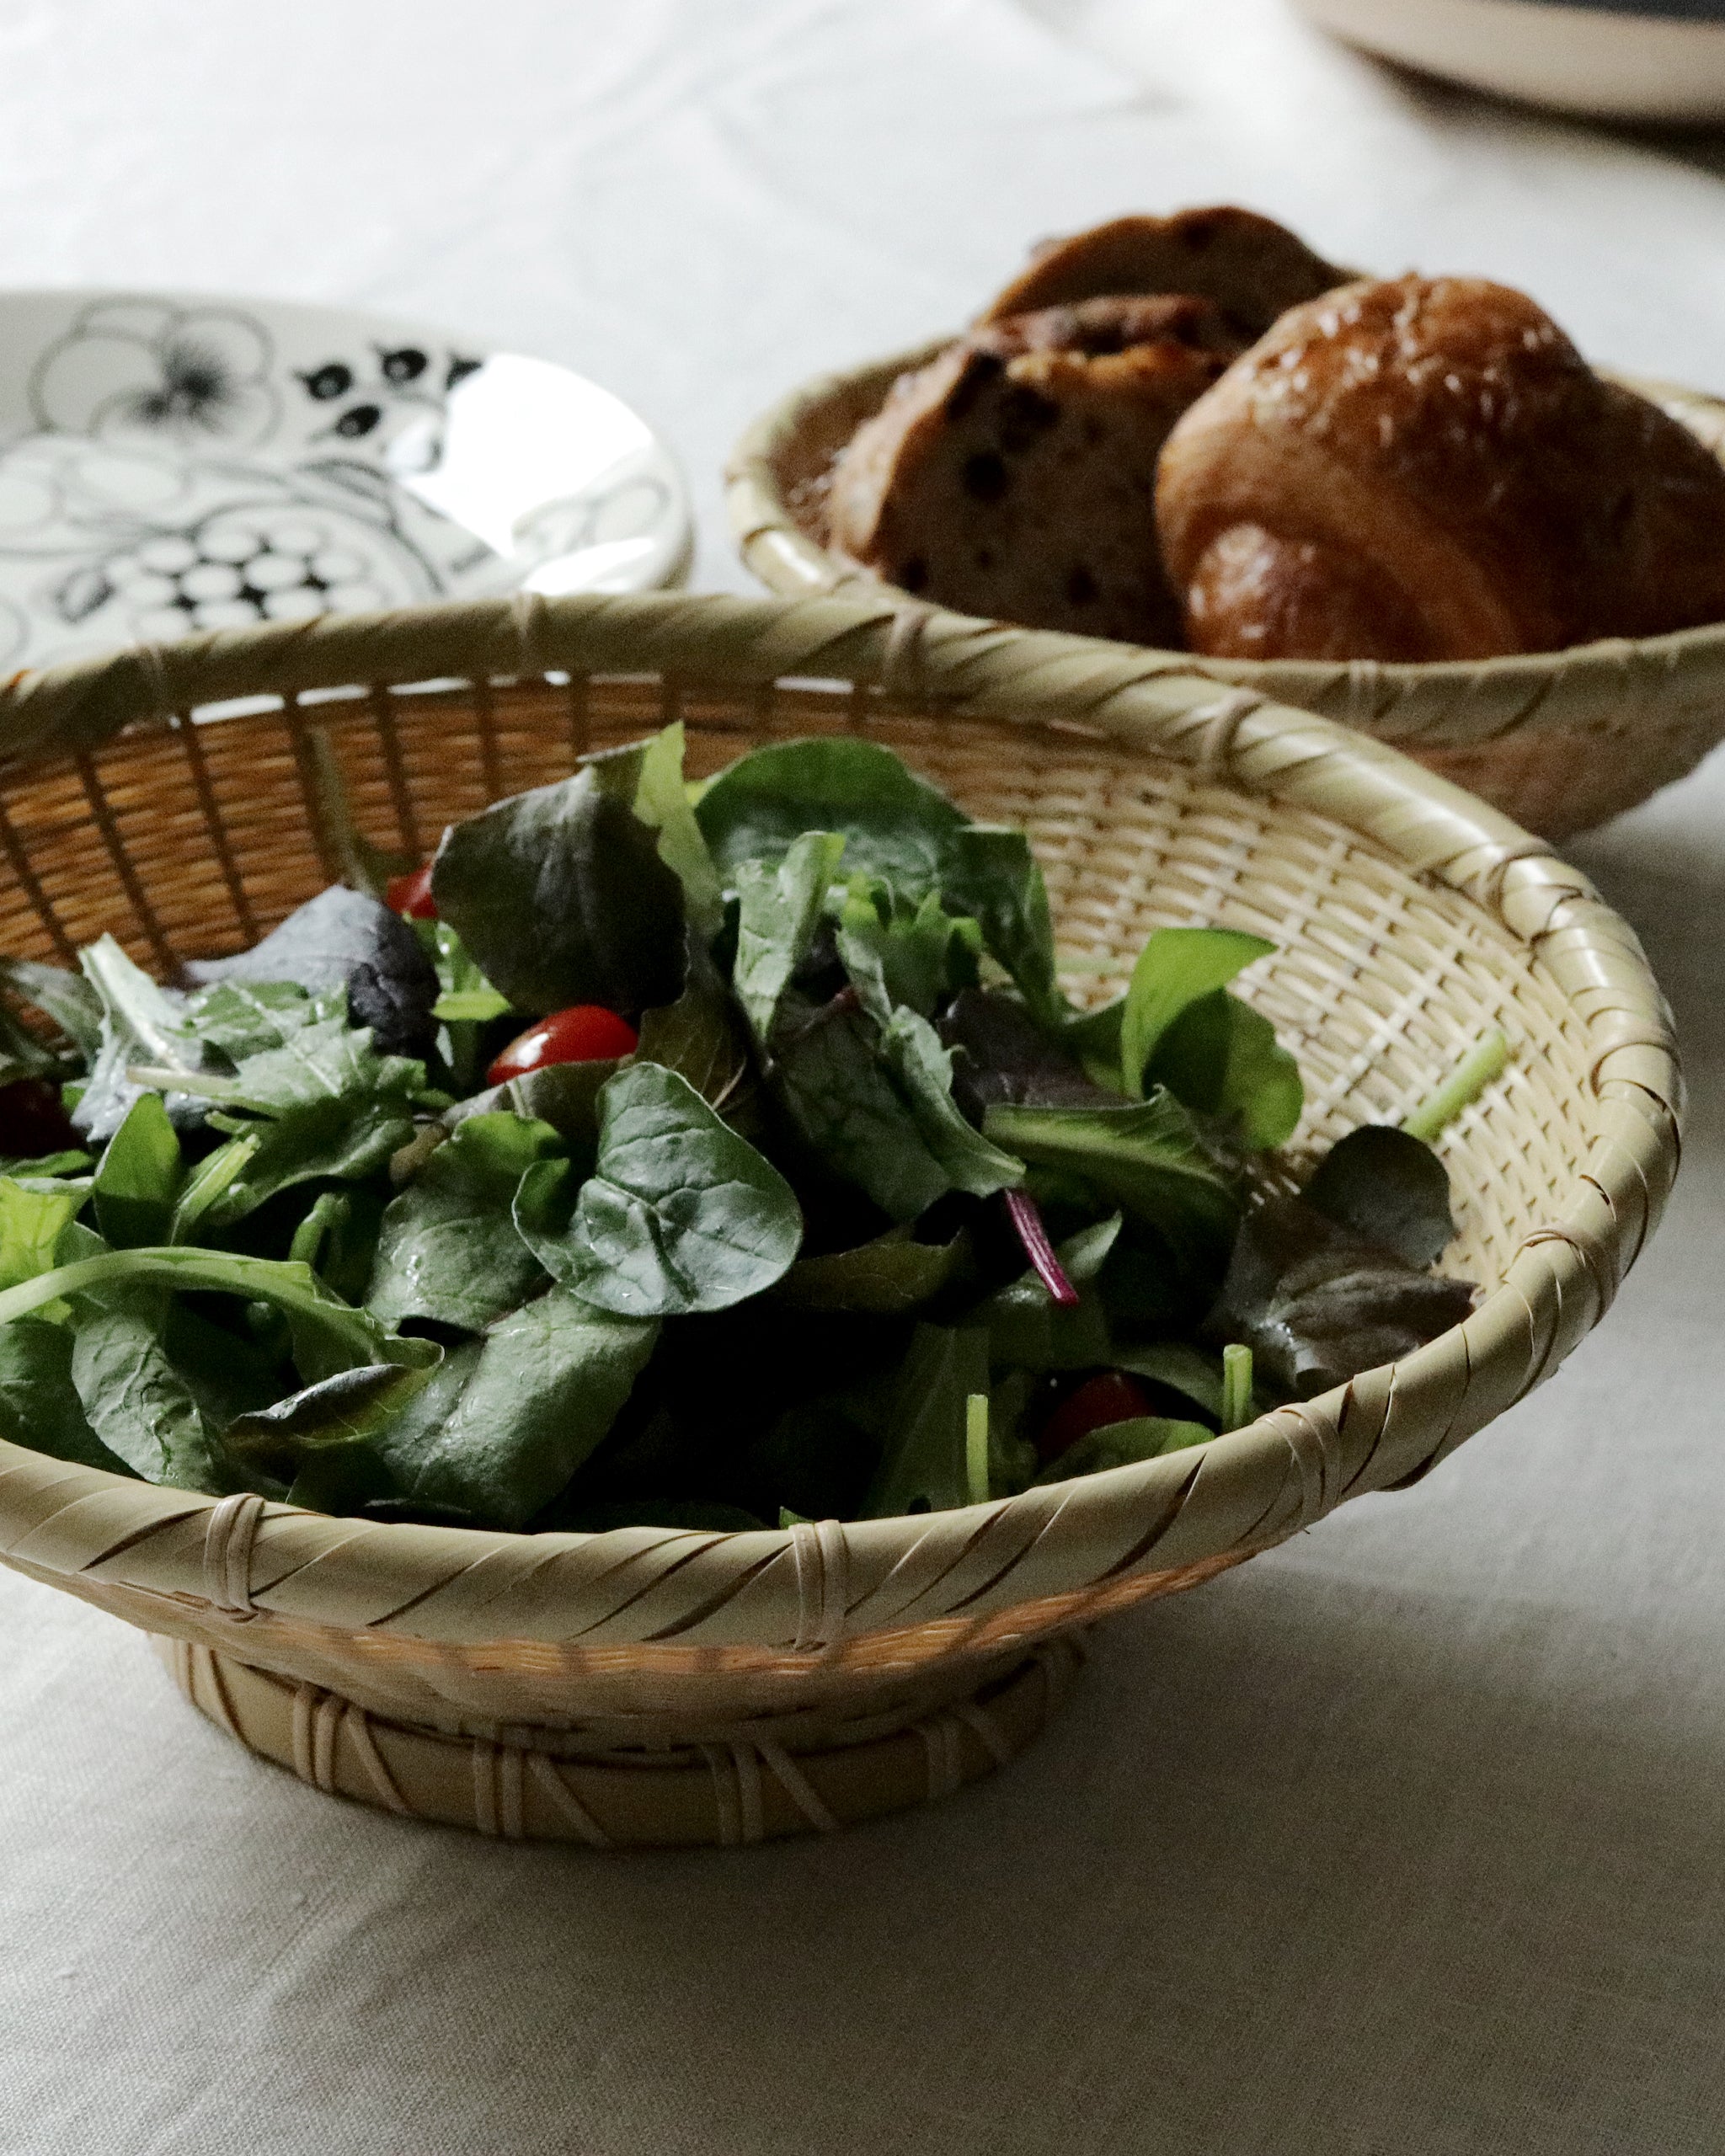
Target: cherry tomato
x=1113 y=1397
x=32 y=1121
x=586 y=1032
x=411 y=895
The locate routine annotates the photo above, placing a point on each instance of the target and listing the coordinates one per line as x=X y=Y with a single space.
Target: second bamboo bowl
x=1560 y=741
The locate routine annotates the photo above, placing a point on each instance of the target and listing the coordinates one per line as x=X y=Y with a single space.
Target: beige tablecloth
x=1406 y=1840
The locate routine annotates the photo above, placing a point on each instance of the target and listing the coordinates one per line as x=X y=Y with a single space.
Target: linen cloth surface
x=1404 y=1840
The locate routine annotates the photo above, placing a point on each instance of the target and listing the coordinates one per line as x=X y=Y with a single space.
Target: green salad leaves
x=870 y=1220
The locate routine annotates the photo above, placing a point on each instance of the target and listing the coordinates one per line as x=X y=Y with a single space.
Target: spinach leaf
x=39 y=1402
x=780 y=907
x=846 y=1107
x=564 y=1095
x=1179 y=1366
x=1317 y=1304
x=347 y=940
x=1389 y=1188
x=1220 y=1057
x=290 y=1442
x=504 y=1423
x=32 y=1219
x=703 y=1039
x=894 y=824
x=67 y=998
x=1028 y=1330
x=141 y=1023
x=924 y=1467
x=990 y=873
x=561 y=897
x=1124 y=1444
x=139 y=1177
x=138 y=1404
x=449 y=1249
x=882 y=1278
x=1144 y=1157
x=680 y=1213
x=648 y=777
x=1175 y=968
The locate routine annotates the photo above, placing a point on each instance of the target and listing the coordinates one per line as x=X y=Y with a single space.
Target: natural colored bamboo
x=1558 y=740
x=657 y=1685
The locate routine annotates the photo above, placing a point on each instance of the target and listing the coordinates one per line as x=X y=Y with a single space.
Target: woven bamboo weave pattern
x=1559 y=740
x=1407 y=917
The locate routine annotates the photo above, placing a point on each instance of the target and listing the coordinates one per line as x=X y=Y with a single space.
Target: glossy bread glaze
x=1427 y=469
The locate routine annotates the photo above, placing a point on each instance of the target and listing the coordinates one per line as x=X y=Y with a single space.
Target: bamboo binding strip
x=1559 y=740
x=1408 y=918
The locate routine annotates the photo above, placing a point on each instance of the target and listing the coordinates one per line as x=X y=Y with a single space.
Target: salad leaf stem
x=1026 y=1218
x=1236 y=1386
x=1485 y=1061
x=976 y=1447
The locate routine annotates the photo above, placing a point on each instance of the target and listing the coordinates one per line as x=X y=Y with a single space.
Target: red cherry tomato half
x=1113 y=1397
x=32 y=1121
x=411 y=895
x=586 y=1032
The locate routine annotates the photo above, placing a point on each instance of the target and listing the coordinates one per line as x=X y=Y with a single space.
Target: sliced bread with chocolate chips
x=1015 y=475
x=1251 y=267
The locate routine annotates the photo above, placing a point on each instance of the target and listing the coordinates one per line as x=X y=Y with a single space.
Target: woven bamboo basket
x=1559 y=740
x=648 y=1686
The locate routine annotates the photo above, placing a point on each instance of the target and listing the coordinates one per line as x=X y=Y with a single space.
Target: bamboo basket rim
x=766 y=528
x=60 y=1521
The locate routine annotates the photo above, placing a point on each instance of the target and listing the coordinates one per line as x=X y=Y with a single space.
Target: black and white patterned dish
x=170 y=463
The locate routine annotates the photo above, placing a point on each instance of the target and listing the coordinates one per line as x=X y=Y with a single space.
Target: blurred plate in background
x=1660 y=60
x=170 y=463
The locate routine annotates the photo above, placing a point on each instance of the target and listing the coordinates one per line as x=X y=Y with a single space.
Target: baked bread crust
x=1248 y=266
x=1426 y=468
x=1014 y=476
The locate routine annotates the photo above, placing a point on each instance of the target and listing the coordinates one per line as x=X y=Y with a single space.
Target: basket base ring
x=713 y=1794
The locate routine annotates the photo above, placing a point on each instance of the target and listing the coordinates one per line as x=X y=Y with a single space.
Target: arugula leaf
x=970 y=1161
x=1388 y=1187
x=680 y=1215
x=1028 y=1330
x=141 y=1023
x=344 y=939
x=39 y=1402
x=780 y=907
x=847 y=1110
x=561 y=897
x=207 y=1183
x=32 y=1220
x=894 y=824
x=67 y=998
x=925 y=1466
x=1220 y=1057
x=900 y=954
x=242 y=1018
x=140 y=1176
x=886 y=1278
x=1317 y=1304
x=1144 y=1156
x=328 y=1334
x=449 y=1249
x=648 y=777
x=503 y=1423
x=1124 y=1444
x=990 y=873
x=323 y=1104
x=36 y=1167
x=1175 y=968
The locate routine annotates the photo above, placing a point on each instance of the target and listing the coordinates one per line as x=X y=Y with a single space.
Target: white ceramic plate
x=1659 y=59
x=171 y=462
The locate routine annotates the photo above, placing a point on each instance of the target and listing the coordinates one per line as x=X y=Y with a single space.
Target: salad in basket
x=711 y=1156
